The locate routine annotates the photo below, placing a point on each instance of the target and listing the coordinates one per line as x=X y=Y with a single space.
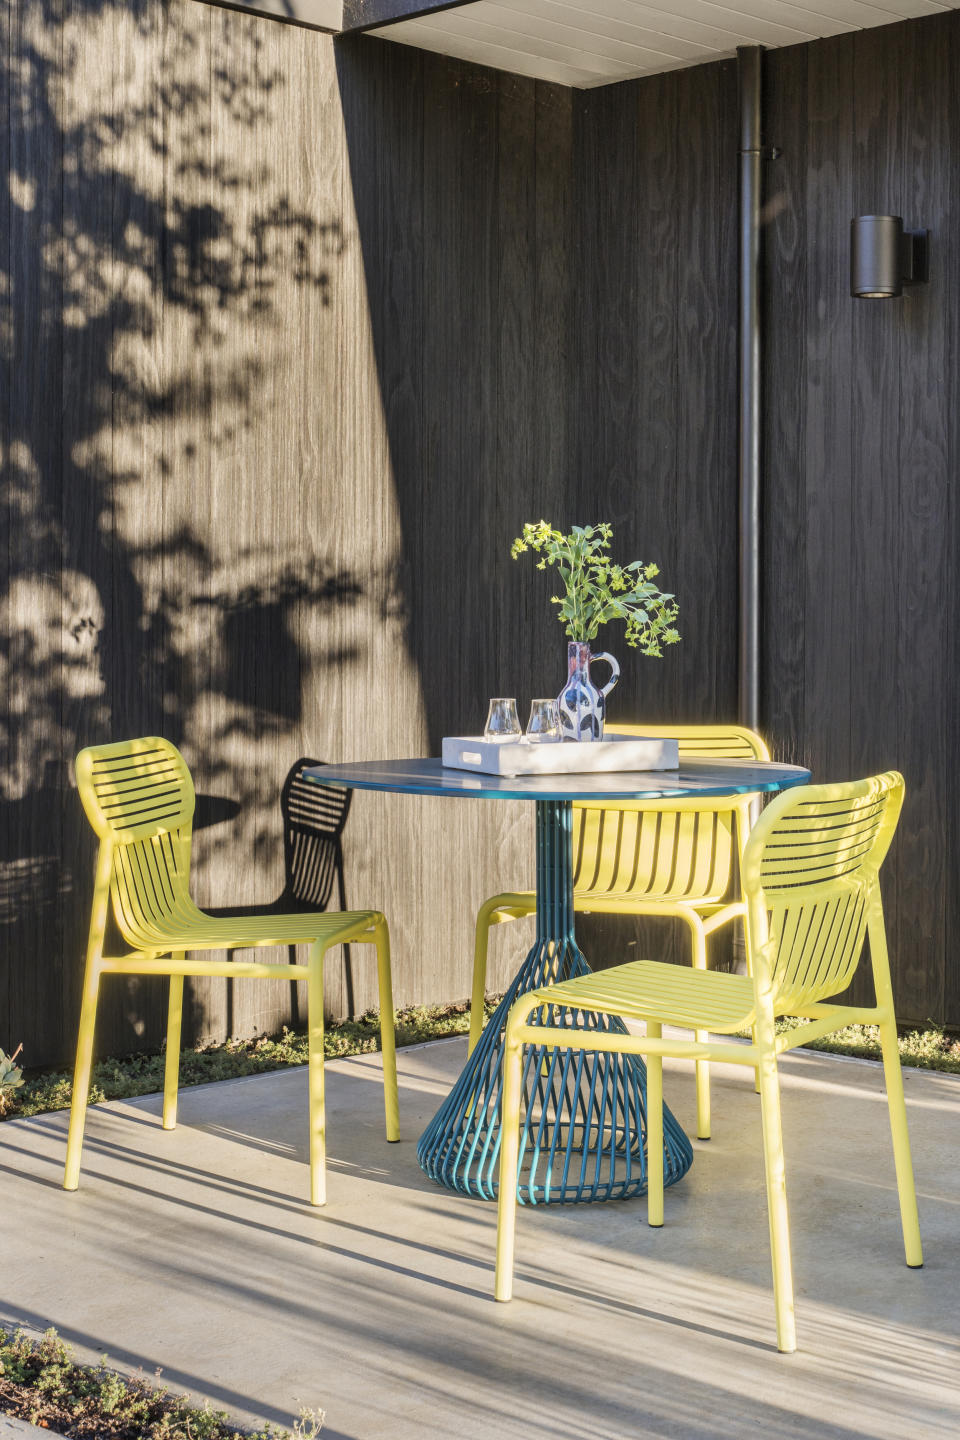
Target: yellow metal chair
x=660 y=857
x=810 y=879
x=138 y=796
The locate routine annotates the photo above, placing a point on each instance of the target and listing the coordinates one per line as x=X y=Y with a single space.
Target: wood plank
x=542 y=32
x=132 y=437
x=875 y=442
x=189 y=614
x=445 y=488
x=950 y=1014
x=654 y=689
x=33 y=746
x=250 y=598
x=364 y=14
x=585 y=299
x=503 y=36
x=552 y=415
x=706 y=575
x=784 y=532
x=514 y=344
x=698 y=26
x=725 y=383
x=827 y=439
x=11 y=906
x=383 y=97
x=589 y=27
x=604 y=486
x=325 y=635
x=762 y=22
x=489 y=54
x=921 y=639
x=877 y=181
x=98 y=585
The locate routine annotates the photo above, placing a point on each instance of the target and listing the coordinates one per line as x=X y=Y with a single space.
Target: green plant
x=11 y=1078
x=597 y=591
x=42 y=1383
x=308 y=1424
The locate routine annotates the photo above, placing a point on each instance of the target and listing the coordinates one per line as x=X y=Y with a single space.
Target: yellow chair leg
x=478 y=992
x=654 y=1132
x=388 y=1049
x=81 y=1077
x=896 y=1102
x=777 y=1197
x=171 y=1068
x=318 y=1138
x=509 y=1162
x=702 y=1067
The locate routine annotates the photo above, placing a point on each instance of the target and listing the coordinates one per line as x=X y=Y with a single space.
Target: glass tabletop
x=694 y=778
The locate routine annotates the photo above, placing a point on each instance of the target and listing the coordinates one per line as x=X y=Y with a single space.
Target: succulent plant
x=11 y=1077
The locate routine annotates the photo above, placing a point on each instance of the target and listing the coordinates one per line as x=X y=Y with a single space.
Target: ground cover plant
x=41 y=1382
x=124 y=1077
x=127 y=1076
x=933 y=1049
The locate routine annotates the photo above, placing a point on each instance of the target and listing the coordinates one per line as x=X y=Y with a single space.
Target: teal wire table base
x=584 y=1126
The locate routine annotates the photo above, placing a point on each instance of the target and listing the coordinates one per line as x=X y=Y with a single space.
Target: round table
x=584 y=1129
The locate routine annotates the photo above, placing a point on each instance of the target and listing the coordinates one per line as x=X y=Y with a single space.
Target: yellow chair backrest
x=139 y=797
x=680 y=848
x=703 y=742
x=810 y=869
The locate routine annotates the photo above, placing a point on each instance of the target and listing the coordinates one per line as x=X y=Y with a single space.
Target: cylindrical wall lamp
x=884 y=257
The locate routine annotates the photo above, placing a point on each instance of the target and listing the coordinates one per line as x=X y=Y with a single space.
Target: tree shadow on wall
x=469 y=333
x=148 y=250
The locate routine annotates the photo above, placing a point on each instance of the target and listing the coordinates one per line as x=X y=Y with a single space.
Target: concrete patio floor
x=194 y=1252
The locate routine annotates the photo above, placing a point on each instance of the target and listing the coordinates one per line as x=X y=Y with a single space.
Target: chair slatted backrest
x=138 y=795
x=644 y=848
x=809 y=871
x=313 y=820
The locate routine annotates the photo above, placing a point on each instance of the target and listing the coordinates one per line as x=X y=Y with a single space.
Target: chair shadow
x=314 y=817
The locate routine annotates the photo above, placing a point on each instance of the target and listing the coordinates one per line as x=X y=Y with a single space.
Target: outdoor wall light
x=884 y=257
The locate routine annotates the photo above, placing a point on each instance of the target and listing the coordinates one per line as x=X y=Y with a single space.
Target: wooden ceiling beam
x=371 y=14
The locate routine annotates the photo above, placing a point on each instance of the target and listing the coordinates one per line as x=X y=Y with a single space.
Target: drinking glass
x=544 y=723
x=502 y=720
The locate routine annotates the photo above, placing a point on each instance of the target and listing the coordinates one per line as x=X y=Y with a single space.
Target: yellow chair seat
x=195 y=930
x=670 y=994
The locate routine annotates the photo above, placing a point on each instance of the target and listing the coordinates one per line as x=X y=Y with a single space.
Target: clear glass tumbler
x=503 y=722
x=544 y=723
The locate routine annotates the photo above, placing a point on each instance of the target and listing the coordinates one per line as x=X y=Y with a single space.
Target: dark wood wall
x=654 y=375
x=861 y=456
x=295 y=335
x=653 y=387
x=286 y=344
x=861 y=441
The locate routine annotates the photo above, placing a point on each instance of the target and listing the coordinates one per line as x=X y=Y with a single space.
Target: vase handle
x=614 y=670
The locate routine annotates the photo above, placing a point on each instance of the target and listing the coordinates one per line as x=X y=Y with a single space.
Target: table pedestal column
x=584 y=1126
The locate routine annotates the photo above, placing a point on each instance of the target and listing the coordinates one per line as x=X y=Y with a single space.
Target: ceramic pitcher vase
x=580 y=703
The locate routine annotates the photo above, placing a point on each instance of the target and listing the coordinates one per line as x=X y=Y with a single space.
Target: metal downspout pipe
x=751 y=155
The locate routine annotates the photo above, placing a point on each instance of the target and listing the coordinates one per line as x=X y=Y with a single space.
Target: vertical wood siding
x=295 y=335
x=861 y=459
